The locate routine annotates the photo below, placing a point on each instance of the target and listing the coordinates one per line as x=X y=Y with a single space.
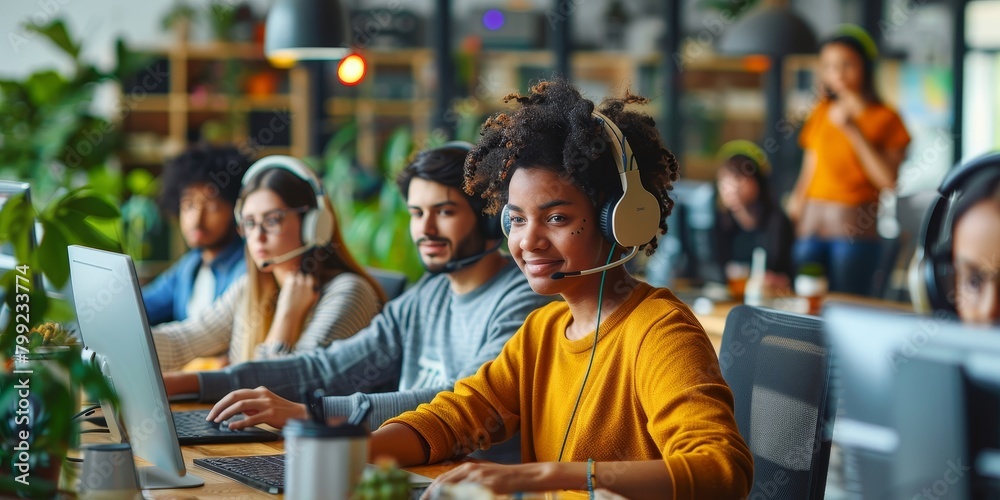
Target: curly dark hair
x=555 y=129
x=219 y=166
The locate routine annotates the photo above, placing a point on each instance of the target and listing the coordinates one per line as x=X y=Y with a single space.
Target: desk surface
x=714 y=321
x=217 y=486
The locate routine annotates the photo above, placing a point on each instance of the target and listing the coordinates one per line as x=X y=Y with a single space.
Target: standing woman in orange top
x=853 y=146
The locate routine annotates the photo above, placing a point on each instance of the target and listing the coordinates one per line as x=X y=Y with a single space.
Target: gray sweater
x=419 y=345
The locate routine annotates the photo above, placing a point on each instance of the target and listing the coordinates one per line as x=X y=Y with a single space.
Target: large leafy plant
x=50 y=137
x=372 y=213
x=50 y=134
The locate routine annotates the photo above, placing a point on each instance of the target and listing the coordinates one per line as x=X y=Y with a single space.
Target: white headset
x=632 y=218
x=317 y=223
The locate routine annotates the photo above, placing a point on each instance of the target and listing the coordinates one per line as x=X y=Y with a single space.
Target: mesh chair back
x=778 y=368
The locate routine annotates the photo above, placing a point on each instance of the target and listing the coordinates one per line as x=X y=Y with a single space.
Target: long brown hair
x=325 y=263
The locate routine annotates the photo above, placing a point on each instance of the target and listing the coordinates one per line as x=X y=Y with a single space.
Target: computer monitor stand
x=155 y=478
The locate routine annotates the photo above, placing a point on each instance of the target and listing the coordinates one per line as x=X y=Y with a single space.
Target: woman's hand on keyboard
x=260 y=406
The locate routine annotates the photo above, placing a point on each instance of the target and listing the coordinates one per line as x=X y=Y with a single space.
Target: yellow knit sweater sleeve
x=689 y=410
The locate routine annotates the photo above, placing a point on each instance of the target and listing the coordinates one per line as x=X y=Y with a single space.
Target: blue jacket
x=167 y=296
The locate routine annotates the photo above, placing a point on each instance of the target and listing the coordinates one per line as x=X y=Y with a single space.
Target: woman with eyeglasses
x=294 y=297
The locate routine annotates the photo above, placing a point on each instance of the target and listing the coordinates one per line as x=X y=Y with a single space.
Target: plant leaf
x=397 y=151
x=79 y=231
x=57 y=33
x=52 y=253
x=44 y=87
x=91 y=204
x=17 y=220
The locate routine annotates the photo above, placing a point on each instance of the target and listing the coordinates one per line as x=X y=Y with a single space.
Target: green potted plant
x=50 y=134
x=373 y=215
x=38 y=359
x=179 y=19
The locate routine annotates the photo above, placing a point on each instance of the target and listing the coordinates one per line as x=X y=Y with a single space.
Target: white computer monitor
x=113 y=325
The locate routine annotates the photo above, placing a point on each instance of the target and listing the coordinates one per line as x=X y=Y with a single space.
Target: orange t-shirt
x=839 y=176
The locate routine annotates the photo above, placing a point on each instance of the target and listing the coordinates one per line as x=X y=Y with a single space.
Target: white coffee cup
x=323 y=461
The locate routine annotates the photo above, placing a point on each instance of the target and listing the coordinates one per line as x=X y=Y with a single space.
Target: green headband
x=743 y=147
x=862 y=37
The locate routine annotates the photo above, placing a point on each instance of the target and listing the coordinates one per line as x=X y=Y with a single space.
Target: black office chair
x=778 y=367
x=392 y=282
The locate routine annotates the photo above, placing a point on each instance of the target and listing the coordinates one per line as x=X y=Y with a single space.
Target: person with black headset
x=457 y=317
x=957 y=266
x=302 y=289
x=616 y=388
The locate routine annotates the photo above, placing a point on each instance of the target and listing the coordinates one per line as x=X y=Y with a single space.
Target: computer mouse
x=224 y=425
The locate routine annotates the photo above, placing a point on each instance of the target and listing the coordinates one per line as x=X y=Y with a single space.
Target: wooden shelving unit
x=162 y=121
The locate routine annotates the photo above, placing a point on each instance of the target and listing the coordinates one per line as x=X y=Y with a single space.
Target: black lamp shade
x=772 y=31
x=300 y=30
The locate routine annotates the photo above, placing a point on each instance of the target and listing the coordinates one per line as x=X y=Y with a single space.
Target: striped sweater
x=347 y=303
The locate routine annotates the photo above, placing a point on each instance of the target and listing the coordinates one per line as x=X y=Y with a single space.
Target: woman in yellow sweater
x=618 y=387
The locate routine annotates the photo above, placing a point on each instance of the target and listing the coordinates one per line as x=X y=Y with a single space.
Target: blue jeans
x=850 y=266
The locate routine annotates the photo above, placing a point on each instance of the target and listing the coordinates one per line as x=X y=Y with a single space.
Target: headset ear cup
x=504 y=222
x=605 y=218
x=308 y=229
x=490 y=226
x=321 y=227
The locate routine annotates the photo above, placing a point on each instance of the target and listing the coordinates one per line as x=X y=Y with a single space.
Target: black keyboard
x=192 y=428
x=267 y=472
x=264 y=472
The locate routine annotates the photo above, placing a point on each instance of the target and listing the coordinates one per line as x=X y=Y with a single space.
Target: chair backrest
x=392 y=282
x=778 y=367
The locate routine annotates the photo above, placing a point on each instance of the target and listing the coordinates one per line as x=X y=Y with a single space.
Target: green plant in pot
x=373 y=215
x=50 y=134
x=42 y=369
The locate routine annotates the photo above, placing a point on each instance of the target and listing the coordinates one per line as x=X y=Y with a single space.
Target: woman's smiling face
x=553 y=228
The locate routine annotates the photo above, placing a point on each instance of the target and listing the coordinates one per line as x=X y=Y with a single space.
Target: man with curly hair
x=200 y=187
x=618 y=387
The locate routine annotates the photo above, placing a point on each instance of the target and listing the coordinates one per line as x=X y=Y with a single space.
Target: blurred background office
x=105 y=92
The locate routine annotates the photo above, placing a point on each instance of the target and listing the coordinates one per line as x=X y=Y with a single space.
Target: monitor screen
x=113 y=325
x=862 y=343
x=946 y=409
x=688 y=249
x=884 y=457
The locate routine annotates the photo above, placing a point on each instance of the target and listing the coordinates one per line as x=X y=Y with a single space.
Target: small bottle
x=813 y=286
x=756 y=293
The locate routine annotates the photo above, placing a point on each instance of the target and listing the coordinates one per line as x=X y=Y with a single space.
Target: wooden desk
x=714 y=321
x=217 y=486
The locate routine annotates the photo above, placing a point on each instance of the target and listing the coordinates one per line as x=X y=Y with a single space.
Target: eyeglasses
x=270 y=222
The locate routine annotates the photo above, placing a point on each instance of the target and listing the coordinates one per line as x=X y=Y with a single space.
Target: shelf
x=144 y=160
x=222 y=50
x=343 y=106
x=216 y=102
x=152 y=103
x=273 y=150
x=208 y=50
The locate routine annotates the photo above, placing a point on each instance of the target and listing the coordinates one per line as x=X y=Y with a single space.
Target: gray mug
x=109 y=472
